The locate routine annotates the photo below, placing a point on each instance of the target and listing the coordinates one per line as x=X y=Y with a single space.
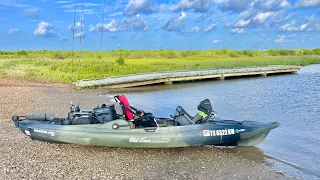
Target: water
x=291 y=100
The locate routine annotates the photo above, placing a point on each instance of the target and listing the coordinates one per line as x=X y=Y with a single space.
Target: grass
x=58 y=66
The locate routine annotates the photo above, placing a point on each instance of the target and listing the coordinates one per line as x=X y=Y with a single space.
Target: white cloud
x=262 y=17
x=139 y=7
x=85 y=5
x=175 y=23
x=210 y=27
x=312 y=24
x=242 y=23
x=237 y=30
x=233 y=5
x=62 y=38
x=272 y=4
x=227 y=25
x=32 y=12
x=44 y=29
x=115 y=14
x=79 y=35
x=136 y=23
x=217 y=41
x=183 y=15
x=197 y=5
x=194 y=30
x=14 y=31
x=307 y=3
x=63 y=2
x=77 y=26
x=84 y=11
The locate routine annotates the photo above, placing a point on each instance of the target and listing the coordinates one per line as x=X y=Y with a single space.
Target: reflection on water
x=291 y=100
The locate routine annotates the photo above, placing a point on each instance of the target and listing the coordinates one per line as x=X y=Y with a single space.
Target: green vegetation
x=65 y=66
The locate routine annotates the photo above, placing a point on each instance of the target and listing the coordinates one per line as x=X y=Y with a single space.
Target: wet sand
x=23 y=158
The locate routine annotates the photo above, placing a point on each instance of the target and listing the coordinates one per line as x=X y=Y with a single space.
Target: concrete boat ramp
x=179 y=76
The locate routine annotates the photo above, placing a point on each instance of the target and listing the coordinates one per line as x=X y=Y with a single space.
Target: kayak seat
x=147 y=120
x=182 y=117
x=126 y=108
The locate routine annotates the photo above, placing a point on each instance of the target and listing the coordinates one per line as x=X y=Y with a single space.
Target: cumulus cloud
x=260 y=18
x=62 y=38
x=32 y=12
x=175 y=23
x=312 y=24
x=14 y=31
x=242 y=23
x=115 y=14
x=139 y=7
x=79 y=35
x=231 y=5
x=77 y=26
x=292 y=26
x=85 y=5
x=217 y=41
x=197 y=5
x=282 y=39
x=237 y=31
x=86 y=8
x=63 y=2
x=84 y=11
x=210 y=27
x=136 y=23
x=44 y=29
x=307 y=3
x=271 y=4
x=194 y=30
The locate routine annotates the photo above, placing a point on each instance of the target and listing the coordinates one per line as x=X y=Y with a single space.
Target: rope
x=73 y=30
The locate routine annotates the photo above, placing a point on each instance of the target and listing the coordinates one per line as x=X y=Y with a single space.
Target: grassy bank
x=58 y=66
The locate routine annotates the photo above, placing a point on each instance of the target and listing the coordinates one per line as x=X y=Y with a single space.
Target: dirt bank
x=23 y=158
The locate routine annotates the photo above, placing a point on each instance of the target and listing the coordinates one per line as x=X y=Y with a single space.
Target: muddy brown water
x=291 y=100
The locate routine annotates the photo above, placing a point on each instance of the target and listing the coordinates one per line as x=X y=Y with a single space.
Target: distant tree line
x=159 y=54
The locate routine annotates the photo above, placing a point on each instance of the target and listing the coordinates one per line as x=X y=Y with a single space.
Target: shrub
x=248 y=53
x=171 y=54
x=58 y=55
x=22 y=53
x=120 y=61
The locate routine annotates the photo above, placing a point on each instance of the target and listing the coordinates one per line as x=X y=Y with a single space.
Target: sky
x=159 y=24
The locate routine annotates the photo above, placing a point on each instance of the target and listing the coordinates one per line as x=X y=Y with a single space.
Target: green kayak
x=103 y=126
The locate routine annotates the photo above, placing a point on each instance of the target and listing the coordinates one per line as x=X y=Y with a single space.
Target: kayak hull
x=119 y=133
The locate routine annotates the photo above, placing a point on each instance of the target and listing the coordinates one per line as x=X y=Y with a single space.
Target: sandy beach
x=23 y=158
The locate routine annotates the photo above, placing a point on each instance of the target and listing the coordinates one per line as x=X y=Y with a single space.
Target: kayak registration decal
x=45 y=132
x=148 y=140
x=222 y=132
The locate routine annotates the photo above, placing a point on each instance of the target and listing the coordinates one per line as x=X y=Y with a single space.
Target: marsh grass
x=58 y=66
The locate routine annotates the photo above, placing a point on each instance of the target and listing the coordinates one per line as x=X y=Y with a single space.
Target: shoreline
x=21 y=155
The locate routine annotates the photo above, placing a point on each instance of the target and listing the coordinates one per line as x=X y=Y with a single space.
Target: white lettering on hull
x=221 y=132
x=45 y=132
x=147 y=140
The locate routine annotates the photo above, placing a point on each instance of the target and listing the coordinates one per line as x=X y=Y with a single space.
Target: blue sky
x=155 y=24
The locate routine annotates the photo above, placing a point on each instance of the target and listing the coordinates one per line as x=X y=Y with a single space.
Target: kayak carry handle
x=150 y=129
